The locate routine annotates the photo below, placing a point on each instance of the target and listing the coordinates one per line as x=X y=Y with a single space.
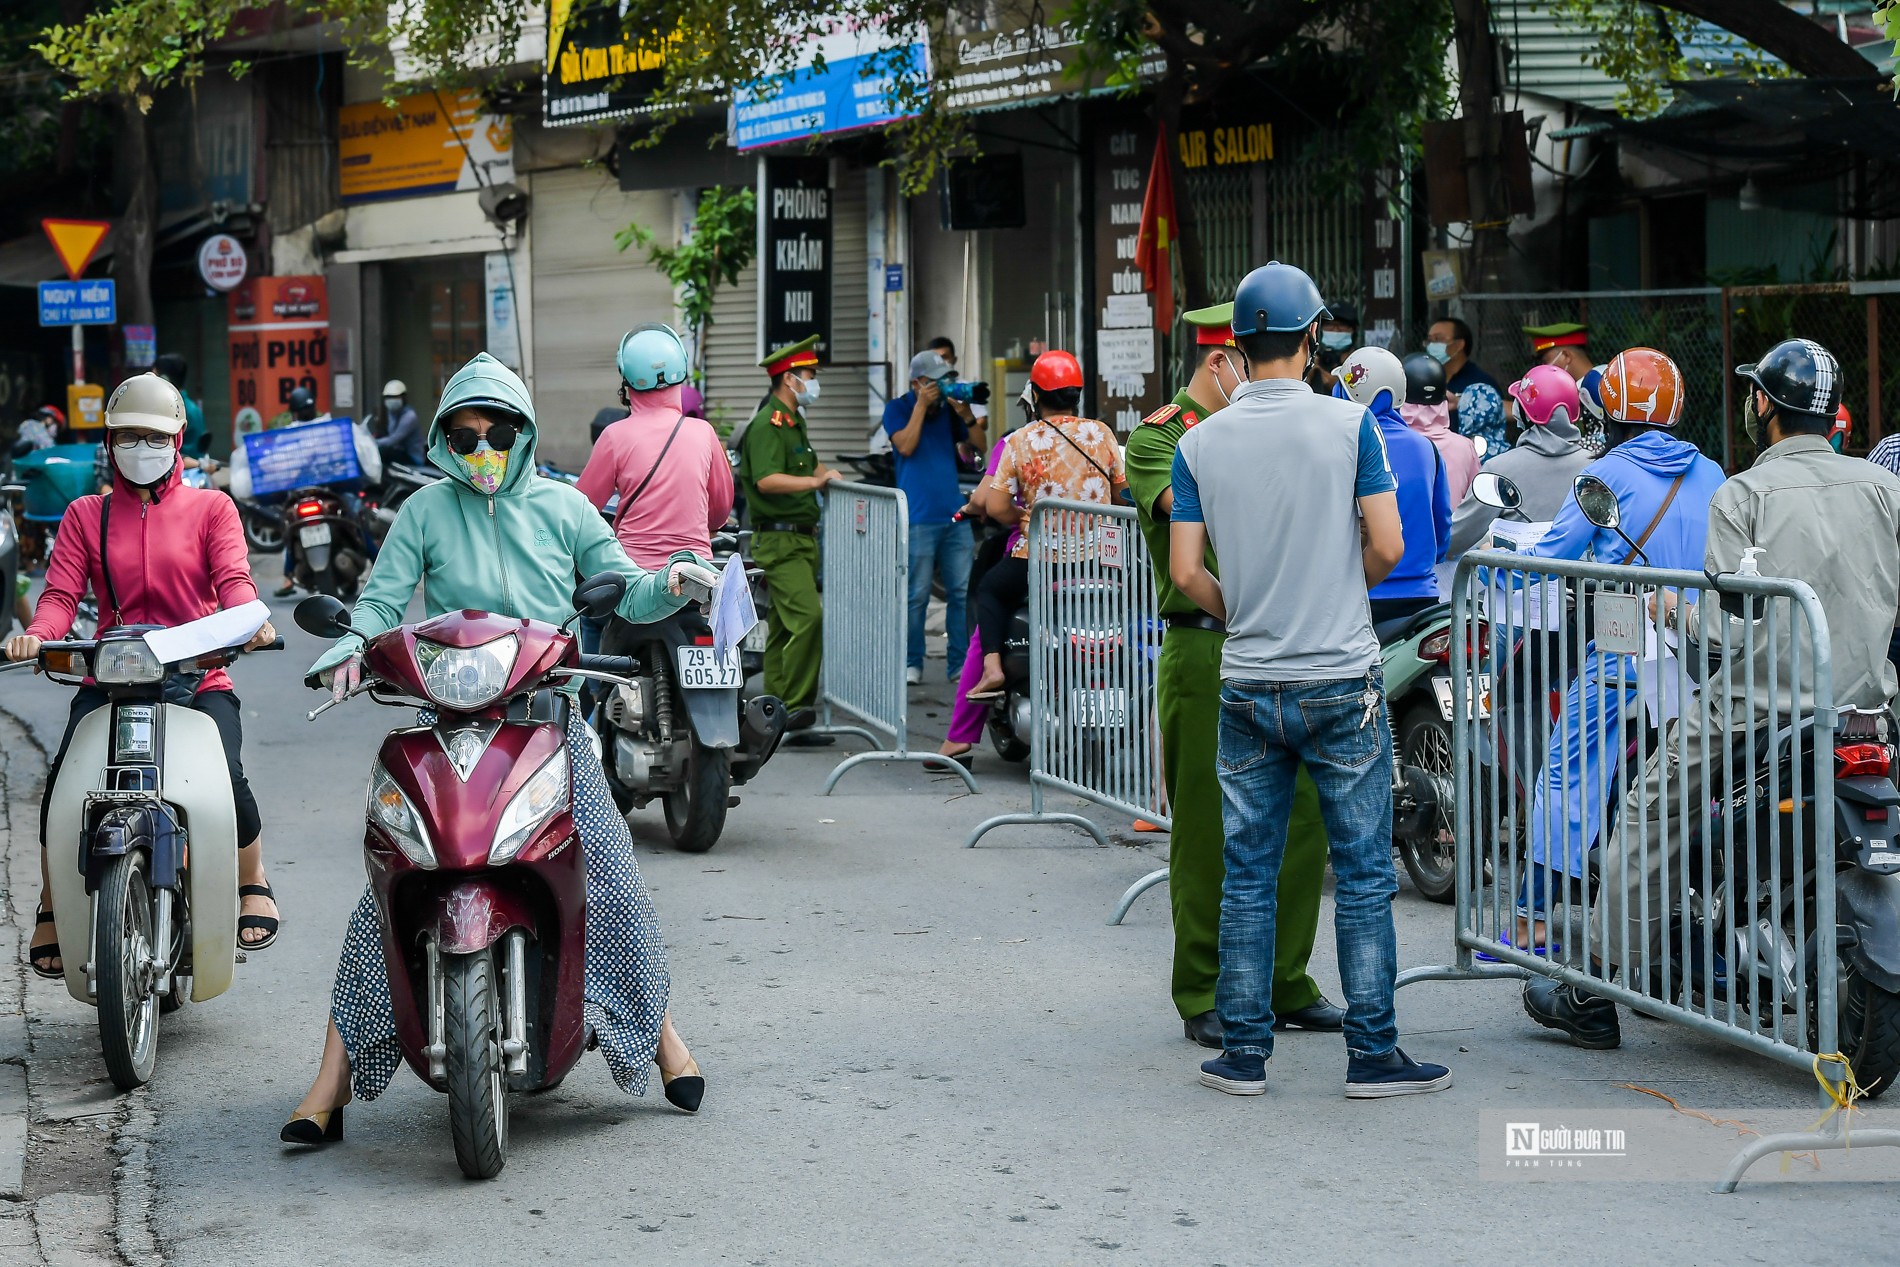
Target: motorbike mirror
x=1598 y=502
x=599 y=594
x=1497 y=491
x=323 y=615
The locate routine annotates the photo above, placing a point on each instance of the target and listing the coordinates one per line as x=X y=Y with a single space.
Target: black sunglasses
x=500 y=437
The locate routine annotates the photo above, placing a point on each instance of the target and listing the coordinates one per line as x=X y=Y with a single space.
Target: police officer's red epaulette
x=1165 y=415
x=782 y=419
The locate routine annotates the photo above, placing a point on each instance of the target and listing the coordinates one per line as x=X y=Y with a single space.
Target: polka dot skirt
x=626 y=981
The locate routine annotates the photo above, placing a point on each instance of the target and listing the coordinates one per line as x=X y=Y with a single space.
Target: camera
x=968 y=393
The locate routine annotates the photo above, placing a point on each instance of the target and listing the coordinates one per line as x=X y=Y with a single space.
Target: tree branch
x=1807 y=47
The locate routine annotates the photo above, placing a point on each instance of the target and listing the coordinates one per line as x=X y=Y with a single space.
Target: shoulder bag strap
x=1661 y=510
x=626 y=503
x=105 y=568
x=1079 y=449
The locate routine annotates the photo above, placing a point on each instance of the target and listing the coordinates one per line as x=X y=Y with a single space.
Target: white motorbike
x=141 y=833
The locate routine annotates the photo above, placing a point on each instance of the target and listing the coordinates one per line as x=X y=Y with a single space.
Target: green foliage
x=1636 y=45
x=1887 y=22
x=721 y=244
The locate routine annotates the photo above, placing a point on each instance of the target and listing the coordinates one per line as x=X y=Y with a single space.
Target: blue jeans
x=946 y=550
x=1266 y=730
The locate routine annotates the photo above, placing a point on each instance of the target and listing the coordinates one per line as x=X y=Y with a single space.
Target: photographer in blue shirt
x=926 y=430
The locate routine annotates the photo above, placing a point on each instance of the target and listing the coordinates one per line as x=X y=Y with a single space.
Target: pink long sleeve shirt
x=175 y=559
x=689 y=496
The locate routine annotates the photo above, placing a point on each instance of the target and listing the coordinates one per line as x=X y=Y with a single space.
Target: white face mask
x=1214 y=369
x=1440 y=352
x=807 y=391
x=143 y=465
x=392 y=405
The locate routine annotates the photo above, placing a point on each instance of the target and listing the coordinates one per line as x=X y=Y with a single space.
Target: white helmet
x=1368 y=371
x=395 y=387
x=149 y=402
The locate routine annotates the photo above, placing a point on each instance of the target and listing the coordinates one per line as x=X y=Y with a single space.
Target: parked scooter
x=473 y=855
x=9 y=554
x=399 y=483
x=1090 y=661
x=331 y=549
x=680 y=731
x=141 y=833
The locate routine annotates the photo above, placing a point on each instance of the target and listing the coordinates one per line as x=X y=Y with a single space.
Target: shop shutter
x=734 y=381
x=586 y=295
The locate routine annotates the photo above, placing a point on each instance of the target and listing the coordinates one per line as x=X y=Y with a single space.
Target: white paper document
x=733 y=613
x=231 y=627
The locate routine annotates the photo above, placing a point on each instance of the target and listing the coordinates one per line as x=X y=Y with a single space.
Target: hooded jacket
x=1424 y=494
x=1544 y=464
x=516 y=553
x=1461 y=457
x=1640 y=472
x=174 y=559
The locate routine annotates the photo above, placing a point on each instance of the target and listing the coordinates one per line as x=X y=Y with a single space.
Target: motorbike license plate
x=700 y=670
x=314 y=535
x=756 y=637
x=1101 y=707
x=1441 y=687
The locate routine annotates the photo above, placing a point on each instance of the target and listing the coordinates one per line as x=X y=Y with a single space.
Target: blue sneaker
x=1395 y=1073
x=1235 y=1073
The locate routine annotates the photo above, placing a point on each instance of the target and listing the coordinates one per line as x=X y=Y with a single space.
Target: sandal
x=41 y=957
x=268 y=923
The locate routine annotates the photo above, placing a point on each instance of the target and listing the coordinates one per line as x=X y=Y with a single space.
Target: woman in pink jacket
x=155 y=553
x=1427 y=411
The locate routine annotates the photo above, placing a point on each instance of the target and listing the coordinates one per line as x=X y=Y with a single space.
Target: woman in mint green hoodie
x=497 y=537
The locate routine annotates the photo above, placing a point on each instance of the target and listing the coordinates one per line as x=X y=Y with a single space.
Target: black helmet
x=302 y=403
x=1424 y=380
x=1799 y=375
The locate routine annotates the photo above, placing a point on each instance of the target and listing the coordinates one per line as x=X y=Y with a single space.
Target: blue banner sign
x=852 y=91
x=92 y=302
x=297 y=457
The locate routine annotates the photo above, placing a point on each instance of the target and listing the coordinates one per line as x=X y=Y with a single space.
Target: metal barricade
x=866 y=570
x=1093 y=639
x=1684 y=861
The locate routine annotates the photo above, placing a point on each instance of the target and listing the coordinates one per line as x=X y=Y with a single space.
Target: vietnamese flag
x=1154 y=248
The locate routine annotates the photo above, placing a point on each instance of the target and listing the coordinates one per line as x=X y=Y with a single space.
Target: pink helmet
x=1543 y=391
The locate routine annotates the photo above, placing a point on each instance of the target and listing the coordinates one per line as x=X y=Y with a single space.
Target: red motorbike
x=473 y=855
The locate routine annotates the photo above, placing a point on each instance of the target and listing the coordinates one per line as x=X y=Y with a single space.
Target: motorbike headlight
x=540 y=798
x=126 y=662
x=466 y=677
x=390 y=808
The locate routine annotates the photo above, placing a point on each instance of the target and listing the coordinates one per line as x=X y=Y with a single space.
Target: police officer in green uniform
x=1188 y=687
x=781 y=477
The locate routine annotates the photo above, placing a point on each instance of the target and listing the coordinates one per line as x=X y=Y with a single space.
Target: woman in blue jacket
x=1373 y=377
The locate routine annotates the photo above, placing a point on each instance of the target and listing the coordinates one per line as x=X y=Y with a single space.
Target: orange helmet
x=1643 y=387
x=1055 y=370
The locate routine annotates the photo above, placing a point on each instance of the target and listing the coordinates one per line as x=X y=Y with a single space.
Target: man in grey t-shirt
x=1281 y=483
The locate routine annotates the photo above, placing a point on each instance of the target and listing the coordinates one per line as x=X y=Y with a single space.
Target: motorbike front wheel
x=696 y=809
x=261 y=533
x=124 y=954
x=478 y=1100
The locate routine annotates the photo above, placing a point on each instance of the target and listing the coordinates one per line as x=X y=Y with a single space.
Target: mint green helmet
x=652 y=357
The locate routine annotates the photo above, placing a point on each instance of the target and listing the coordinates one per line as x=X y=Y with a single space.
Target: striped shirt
x=1887 y=454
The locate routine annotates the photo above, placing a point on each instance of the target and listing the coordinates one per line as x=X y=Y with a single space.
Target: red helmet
x=1055 y=370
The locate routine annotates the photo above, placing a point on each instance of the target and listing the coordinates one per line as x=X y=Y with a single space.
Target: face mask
x=392 y=405
x=1335 y=340
x=1440 y=352
x=486 y=468
x=1213 y=369
x=807 y=392
x=143 y=465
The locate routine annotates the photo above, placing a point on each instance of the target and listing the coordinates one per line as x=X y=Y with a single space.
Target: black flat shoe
x=314 y=1130
x=684 y=1090
x=1204 y=1029
x=42 y=957
x=1320 y=1017
x=1589 y=1019
x=268 y=923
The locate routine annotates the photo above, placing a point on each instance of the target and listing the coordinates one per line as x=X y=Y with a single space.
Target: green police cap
x=792 y=356
x=1558 y=334
x=1213 y=325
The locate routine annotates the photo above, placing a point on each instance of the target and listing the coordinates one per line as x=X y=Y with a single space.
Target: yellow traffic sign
x=76 y=242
